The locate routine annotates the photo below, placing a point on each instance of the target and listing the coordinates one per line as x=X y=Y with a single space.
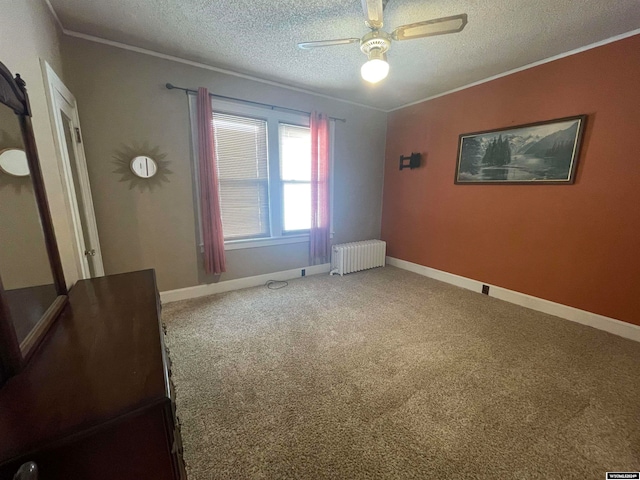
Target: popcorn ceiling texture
x=387 y=374
x=259 y=37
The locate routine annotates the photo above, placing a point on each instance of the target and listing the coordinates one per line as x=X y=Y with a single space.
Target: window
x=241 y=149
x=264 y=172
x=295 y=174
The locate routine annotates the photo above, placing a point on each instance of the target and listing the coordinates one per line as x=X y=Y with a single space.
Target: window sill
x=265 y=242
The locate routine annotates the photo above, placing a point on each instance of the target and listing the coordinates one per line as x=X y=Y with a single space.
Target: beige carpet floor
x=387 y=374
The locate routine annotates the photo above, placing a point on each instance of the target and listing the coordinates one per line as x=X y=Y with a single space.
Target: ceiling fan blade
x=326 y=43
x=429 y=28
x=373 y=10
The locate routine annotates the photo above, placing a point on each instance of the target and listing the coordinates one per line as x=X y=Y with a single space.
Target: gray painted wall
x=123 y=102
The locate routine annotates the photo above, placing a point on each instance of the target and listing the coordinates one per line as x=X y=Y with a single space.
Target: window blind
x=241 y=150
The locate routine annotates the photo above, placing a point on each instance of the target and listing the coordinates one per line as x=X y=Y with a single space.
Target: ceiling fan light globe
x=374 y=70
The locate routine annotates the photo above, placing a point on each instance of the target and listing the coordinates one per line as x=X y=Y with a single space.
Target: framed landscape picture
x=543 y=152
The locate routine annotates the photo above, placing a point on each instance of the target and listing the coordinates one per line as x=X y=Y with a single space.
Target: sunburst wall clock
x=142 y=166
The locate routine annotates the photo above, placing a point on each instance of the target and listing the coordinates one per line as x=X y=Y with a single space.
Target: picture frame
x=531 y=154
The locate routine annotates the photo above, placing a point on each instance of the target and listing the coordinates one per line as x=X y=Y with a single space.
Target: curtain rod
x=267 y=105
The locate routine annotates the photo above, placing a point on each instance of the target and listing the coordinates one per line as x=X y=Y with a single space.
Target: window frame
x=289 y=233
x=273 y=118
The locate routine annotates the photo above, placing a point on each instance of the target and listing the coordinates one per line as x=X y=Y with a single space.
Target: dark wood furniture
x=96 y=401
x=15 y=351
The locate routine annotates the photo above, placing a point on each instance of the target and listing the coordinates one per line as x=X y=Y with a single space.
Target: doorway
x=75 y=178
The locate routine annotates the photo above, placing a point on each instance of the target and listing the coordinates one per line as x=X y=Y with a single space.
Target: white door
x=68 y=136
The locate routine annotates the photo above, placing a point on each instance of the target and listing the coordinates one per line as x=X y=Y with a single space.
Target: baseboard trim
x=611 y=325
x=240 y=283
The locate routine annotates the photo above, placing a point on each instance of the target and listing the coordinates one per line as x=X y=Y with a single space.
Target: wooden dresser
x=96 y=400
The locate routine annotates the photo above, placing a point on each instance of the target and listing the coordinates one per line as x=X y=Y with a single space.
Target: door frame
x=58 y=94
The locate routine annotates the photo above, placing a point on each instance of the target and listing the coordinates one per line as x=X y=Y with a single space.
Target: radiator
x=356 y=256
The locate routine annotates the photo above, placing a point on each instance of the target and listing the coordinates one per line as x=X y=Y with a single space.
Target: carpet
x=388 y=374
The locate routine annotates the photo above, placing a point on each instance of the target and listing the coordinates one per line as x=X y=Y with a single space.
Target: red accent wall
x=579 y=244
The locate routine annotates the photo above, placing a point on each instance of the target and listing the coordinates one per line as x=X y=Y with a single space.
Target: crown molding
x=204 y=66
x=525 y=67
x=54 y=14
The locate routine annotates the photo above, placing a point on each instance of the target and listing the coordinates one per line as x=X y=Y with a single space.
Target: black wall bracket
x=411 y=162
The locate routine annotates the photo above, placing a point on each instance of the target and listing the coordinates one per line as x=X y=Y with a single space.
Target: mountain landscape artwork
x=544 y=152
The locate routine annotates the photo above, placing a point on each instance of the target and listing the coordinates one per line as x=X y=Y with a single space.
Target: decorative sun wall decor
x=128 y=162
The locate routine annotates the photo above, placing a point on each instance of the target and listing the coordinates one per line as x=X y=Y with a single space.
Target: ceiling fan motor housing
x=375 y=43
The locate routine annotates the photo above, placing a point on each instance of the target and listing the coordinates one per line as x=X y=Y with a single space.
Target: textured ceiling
x=258 y=37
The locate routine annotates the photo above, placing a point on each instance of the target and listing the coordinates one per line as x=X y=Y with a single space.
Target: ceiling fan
x=376 y=43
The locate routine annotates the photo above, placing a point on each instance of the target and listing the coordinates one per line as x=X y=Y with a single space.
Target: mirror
x=13 y=161
x=144 y=167
x=24 y=264
x=33 y=291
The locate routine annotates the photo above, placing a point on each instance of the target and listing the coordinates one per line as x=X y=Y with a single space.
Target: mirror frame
x=13 y=354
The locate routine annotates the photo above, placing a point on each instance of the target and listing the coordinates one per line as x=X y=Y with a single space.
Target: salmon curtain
x=211 y=221
x=320 y=239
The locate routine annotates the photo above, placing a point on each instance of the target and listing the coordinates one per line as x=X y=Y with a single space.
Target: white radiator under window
x=356 y=256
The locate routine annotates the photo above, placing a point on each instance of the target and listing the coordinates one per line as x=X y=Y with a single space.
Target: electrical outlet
x=304 y=272
x=485 y=289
